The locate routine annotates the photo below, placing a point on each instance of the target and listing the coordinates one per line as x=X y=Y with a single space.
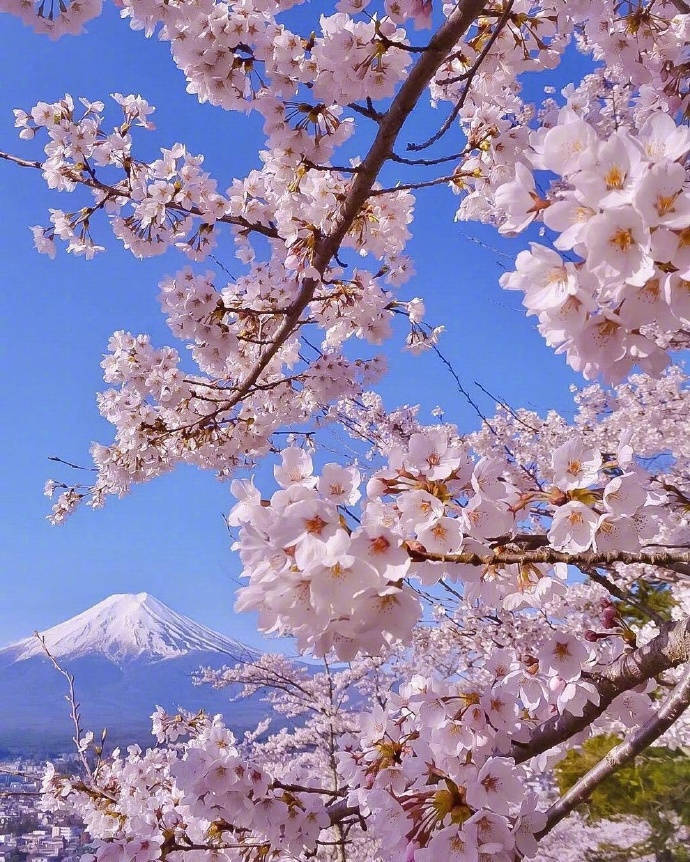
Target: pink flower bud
x=609 y=617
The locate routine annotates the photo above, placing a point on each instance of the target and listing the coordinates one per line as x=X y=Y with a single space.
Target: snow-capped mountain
x=128 y=654
x=124 y=627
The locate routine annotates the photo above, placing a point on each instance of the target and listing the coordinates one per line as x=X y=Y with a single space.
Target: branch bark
x=670 y=648
x=389 y=126
x=664 y=559
x=340 y=810
x=670 y=711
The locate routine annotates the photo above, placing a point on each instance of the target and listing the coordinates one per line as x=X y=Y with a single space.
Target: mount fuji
x=128 y=654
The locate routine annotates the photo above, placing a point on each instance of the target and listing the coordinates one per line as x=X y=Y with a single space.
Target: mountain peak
x=128 y=626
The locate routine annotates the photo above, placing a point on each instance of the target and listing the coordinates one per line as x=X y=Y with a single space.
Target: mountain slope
x=124 y=627
x=128 y=654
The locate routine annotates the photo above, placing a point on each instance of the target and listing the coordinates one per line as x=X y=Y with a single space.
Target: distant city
x=28 y=834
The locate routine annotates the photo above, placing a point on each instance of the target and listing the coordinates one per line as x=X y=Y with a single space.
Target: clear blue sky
x=168 y=537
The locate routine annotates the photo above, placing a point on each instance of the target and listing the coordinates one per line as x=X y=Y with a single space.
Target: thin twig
x=420 y=185
x=473 y=404
x=93 y=183
x=71 y=698
x=622 y=595
x=70 y=464
x=468 y=77
x=394 y=157
x=506 y=406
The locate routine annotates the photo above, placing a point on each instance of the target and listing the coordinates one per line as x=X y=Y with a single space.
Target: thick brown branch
x=340 y=810
x=665 y=559
x=389 y=127
x=651 y=730
x=670 y=648
x=301 y=788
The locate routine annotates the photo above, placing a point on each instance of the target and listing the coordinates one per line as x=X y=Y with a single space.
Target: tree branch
x=670 y=648
x=93 y=183
x=360 y=188
x=394 y=157
x=402 y=187
x=340 y=810
x=623 y=595
x=300 y=788
x=652 y=729
x=664 y=559
x=71 y=699
x=468 y=77
x=390 y=124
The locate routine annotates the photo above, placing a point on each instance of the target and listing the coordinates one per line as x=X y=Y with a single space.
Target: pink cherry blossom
x=563 y=655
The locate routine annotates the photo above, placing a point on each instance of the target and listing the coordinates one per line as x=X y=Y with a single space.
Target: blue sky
x=168 y=537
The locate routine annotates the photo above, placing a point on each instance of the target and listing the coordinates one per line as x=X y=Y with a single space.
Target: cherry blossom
x=478 y=597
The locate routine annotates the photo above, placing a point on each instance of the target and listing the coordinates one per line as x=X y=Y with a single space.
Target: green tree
x=654 y=787
x=649 y=594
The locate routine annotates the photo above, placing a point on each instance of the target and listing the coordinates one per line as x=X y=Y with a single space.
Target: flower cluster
x=173 y=202
x=434 y=766
x=332 y=587
x=345 y=582
x=52 y=18
x=600 y=505
x=196 y=798
x=427 y=773
x=622 y=204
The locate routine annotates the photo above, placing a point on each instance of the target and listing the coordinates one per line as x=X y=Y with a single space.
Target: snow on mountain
x=128 y=654
x=128 y=626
